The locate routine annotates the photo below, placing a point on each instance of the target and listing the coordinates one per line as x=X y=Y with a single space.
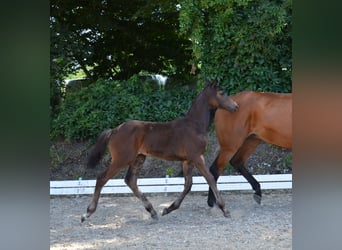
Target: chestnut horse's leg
x=238 y=162
x=101 y=180
x=187 y=171
x=131 y=181
x=200 y=164
x=239 y=159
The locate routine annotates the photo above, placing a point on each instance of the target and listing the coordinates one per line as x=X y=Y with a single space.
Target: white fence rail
x=169 y=185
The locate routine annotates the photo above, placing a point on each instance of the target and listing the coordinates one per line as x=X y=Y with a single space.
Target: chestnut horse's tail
x=99 y=149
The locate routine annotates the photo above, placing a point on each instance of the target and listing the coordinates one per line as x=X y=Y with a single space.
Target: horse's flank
x=264 y=114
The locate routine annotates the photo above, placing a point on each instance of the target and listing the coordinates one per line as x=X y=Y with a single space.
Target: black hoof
x=210 y=202
x=165 y=211
x=257 y=198
x=83 y=218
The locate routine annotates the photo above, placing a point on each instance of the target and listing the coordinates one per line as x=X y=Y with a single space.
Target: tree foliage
x=245 y=44
x=115 y=40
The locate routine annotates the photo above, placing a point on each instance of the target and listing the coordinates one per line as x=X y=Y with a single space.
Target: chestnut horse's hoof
x=257 y=198
x=211 y=201
x=83 y=217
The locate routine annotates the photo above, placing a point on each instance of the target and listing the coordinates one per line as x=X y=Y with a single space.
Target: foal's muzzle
x=233 y=106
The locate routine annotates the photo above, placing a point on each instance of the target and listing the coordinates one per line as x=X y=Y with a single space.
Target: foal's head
x=217 y=98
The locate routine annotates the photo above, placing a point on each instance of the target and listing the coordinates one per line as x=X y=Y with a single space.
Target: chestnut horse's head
x=217 y=98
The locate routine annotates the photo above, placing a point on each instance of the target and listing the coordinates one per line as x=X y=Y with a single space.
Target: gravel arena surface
x=121 y=222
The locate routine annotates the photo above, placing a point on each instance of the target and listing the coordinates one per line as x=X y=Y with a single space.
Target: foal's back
x=174 y=140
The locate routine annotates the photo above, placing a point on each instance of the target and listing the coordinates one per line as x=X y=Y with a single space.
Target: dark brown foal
x=182 y=140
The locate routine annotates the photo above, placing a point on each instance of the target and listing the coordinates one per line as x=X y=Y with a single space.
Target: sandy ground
x=121 y=222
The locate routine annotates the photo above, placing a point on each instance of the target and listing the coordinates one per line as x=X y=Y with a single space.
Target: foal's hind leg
x=239 y=159
x=131 y=181
x=187 y=171
x=101 y=180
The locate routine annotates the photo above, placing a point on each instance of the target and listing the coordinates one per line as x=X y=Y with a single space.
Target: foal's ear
x=207 y=81
x=211 y=84
x=214 y=83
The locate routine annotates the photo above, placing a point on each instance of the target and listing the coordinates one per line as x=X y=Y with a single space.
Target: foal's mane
x=200 y=95
x=212 y=111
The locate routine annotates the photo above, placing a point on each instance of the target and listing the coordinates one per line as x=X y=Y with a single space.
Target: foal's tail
x=99 y=149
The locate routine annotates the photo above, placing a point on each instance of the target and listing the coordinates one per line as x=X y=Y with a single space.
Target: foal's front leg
x=131 y=181
x=187 y=171
x=200 y=164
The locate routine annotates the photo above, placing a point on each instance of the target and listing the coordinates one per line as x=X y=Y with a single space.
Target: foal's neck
x=201 y=114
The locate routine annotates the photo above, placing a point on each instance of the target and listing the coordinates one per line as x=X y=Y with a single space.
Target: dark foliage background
x=245 y=44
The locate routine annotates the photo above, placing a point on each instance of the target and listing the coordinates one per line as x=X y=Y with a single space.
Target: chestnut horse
x=182 y=140
x=261 y=117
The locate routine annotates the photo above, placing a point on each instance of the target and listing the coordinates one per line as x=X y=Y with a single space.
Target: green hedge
x=105 y=104
x=246 y=44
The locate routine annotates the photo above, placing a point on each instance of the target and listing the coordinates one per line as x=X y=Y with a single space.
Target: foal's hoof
x=154 y=216
x=227 y=214
x=257 y=198
x=165 y=211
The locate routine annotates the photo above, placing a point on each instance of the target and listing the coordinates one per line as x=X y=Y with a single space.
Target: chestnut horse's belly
x=275 y=126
